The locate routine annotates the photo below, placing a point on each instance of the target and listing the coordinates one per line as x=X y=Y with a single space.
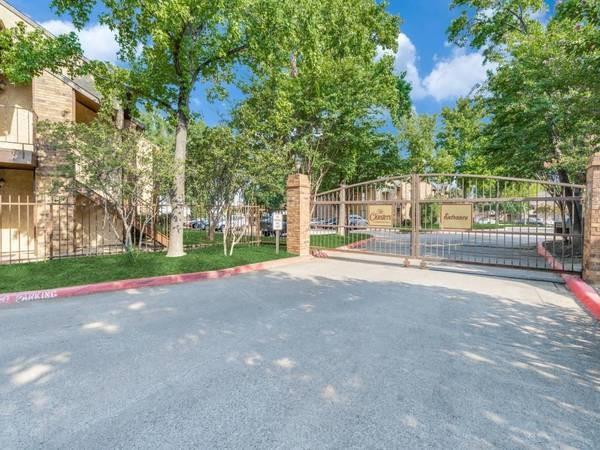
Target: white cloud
x=405 y=60
x=450 y=78
x=456 y=76
x=97 y=41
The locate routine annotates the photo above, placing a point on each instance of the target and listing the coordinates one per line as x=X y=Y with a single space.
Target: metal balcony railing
x=17 y=127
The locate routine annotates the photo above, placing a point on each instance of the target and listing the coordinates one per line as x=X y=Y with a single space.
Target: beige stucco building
x=34 y=225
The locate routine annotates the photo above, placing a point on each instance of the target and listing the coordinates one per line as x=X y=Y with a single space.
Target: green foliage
x=219 y=165
x=327 y=107
x=26 y=54
x=544 y=102
x=173 y=44
x=117 y=167
x=488 y=24
x=461 y=142
x=158 y=129
x=541 y=103
x=417 y=138
x=403 y=103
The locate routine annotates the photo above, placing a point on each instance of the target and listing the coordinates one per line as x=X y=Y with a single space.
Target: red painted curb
x=582 y=291
x=551 y=260
x=134 y=283
x=357 y=243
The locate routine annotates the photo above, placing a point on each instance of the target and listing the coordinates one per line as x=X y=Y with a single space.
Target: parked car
x=354 y=220
x=536 y=221
x=266 y=225
x=236 y=221
x=331 y=222
x=199 y=224
x=220 y=225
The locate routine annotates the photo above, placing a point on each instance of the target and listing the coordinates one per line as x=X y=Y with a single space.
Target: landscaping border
x=135 y=283
x=582 y=291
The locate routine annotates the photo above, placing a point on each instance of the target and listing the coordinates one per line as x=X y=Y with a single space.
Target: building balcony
x=17 y=137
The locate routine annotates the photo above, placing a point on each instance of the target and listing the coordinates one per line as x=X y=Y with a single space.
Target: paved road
x=514 y=246
x=323 y=354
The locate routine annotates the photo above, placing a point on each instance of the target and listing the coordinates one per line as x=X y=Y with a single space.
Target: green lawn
x=324 y=240
x=199 y=237
x=335 y=240
x=94 y=269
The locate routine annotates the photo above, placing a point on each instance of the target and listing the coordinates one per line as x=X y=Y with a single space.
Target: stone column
x=591 y=232
x=298 y=214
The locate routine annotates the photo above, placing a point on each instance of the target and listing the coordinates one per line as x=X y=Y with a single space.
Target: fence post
x=415 y=197
x=342 y=211
x=591 y=230
x=298 y=214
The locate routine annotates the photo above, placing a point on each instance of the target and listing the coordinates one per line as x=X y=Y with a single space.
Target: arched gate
x=465 y=218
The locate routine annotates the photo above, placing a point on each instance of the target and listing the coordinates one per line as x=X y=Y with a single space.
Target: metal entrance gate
x=466 y=218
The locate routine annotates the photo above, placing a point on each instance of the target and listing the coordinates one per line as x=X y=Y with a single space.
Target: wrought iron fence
x=511 y=221
x=38 y=228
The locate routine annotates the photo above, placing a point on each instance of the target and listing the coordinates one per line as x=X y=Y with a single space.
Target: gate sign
x=380 y=216
x=457 y=216
x=277 y=221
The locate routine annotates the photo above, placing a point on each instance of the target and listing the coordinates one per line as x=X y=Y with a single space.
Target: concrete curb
x=135 y=283
x=582 y=291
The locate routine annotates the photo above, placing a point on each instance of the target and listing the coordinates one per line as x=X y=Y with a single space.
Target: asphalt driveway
x=322 y=354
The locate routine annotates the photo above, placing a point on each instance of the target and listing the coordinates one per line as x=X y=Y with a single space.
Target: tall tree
x=461 y=139
x=544 y=105
x=487 y=24
x=326 y=108
x=417 y=139
x=25 y=54
x=170 y=46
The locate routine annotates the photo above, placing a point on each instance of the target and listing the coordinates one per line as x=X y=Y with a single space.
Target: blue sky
x=438 y=71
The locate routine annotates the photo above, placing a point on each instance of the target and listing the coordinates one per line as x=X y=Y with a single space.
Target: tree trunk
x=178 y=202
x=573 y=207
x=212 y=223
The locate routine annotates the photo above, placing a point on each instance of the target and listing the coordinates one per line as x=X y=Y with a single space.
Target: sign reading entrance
x=457 y=216
x=380 y=216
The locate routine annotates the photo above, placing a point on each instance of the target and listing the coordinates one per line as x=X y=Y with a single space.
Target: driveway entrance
x=323 y=354
x=465 y=218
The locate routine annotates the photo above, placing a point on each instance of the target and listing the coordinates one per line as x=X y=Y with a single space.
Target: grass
x=335 y=240
x=95 y=269
x=199 y=237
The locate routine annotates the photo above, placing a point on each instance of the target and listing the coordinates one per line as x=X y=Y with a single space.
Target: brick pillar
x=298 y=214
x=591 y=232
x=342 y=211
